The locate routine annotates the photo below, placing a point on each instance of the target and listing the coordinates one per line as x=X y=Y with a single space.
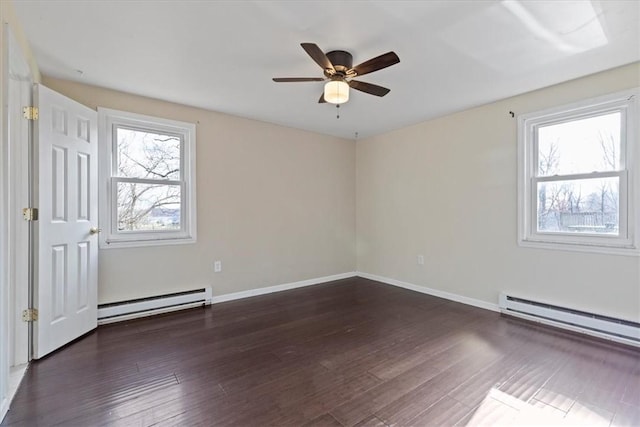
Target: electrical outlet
x=420 y=259
x=217 y=266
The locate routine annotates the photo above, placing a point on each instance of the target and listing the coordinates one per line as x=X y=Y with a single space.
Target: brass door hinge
x=30 y=113
x=30 y=214
x=30 y=315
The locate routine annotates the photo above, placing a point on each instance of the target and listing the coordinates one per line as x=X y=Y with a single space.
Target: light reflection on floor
x=501 y=409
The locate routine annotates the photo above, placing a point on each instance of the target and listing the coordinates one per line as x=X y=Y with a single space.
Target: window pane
x=148 y=207
x=579 y=206
x=147 y=155
x=580 y=146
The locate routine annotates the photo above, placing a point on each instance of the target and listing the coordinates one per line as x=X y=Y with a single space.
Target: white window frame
x=627 y=242
x=110 y=237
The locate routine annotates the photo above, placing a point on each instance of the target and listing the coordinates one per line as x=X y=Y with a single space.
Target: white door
x=66 y=265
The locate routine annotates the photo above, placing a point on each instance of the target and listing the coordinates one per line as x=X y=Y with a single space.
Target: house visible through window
x=578 y=180
x=147 y=169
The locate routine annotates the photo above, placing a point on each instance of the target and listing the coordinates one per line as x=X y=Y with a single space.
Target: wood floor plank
x=626 y=415
x=395 y=363
x=325 y=420
x=473 y=391
x=587 y=415
x=445 y=412
x=528 y=380
x=491 y=412
x=372 y=421
x=404 y=409
x=366 y=404
x=350 y=352
x=344 y=388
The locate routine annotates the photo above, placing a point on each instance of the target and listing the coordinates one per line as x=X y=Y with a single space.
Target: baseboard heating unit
x=610 y=328
x=132 y=309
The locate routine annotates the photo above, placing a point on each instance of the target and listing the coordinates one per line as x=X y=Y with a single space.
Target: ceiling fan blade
x=317 y=55
x=321 y=100
x=369 y=88
x=297 y=79
x=378 y=63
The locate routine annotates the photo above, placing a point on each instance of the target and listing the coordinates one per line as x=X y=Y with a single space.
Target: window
x=578 y=178
x=147 y=172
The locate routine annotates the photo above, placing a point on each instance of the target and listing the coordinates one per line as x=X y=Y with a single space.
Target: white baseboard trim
x=430 y=291
x=279 y=288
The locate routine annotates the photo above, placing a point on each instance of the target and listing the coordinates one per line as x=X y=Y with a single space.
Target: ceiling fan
x=339 y=73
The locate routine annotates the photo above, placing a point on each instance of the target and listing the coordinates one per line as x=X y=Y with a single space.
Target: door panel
x=58 y=282
x=66 y=267
x=59 y=181
x=83 y=188
x=83 y=276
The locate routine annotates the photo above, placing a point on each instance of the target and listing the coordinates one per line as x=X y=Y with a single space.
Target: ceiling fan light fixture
x=339 y=73
x=336 y=92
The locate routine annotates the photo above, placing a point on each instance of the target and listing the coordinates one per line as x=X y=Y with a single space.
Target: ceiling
x=221 y=55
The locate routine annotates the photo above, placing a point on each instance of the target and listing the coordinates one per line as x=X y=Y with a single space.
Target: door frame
x=20 y=188
x=4 y=227
x=14 y=235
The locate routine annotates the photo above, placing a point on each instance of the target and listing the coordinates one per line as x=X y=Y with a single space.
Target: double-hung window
x=578 y=180
x=147 y=179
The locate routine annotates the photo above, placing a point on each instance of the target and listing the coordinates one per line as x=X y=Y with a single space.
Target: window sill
x=116 y=244
x=577 y=247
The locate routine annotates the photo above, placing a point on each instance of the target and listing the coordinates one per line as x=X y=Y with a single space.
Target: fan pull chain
x=337 y=111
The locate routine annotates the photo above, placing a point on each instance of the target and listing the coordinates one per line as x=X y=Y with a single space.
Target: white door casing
x=20 y=95
x=66 y=266
x=16 y=83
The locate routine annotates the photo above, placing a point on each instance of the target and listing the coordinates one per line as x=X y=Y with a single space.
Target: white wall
x=276 y=205
x=446 y=188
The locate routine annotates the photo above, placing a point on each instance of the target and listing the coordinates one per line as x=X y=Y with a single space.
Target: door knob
x=94 y=230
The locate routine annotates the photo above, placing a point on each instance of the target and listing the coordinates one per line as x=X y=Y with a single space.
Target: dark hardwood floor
x=352 y=352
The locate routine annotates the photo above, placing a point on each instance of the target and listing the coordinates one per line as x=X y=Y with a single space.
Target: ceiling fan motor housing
x=341 y=60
